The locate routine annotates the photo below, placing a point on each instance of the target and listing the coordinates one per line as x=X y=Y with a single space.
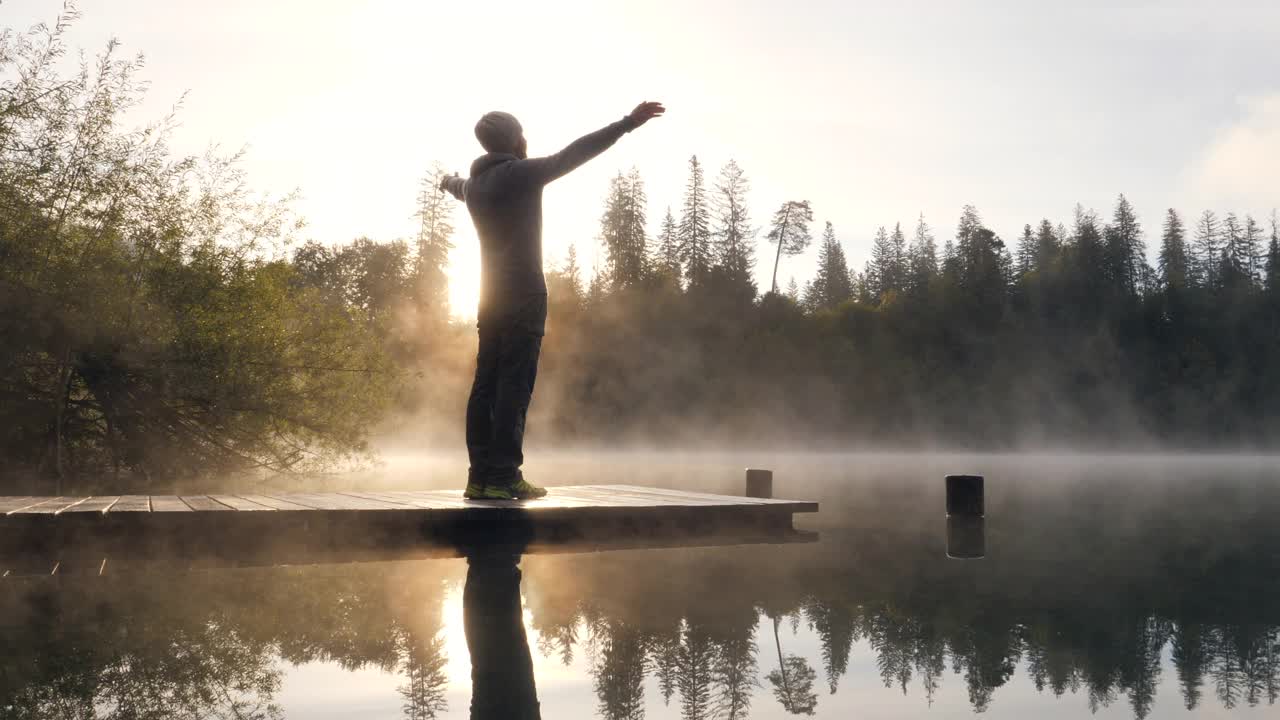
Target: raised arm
x=546 y=169
x=455 y=186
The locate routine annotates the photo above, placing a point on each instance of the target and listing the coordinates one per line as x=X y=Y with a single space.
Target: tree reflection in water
x=1083 y=603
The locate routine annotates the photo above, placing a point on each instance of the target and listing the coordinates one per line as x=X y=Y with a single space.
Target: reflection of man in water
x=504 y=198
x=502 y=686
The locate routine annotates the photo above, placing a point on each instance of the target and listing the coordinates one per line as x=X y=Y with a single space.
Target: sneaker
x=521 y=489
x=475 y=490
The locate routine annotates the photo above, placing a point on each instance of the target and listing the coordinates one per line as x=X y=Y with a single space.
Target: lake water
x=1116 y=586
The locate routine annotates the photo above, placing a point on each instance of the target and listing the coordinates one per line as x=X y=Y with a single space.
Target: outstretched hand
x=646 y=111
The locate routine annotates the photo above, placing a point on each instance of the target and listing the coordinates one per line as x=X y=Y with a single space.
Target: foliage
x=153 y=328
x=694 y=232
x=733 y=238
x=790 y=232
x=793 y=685
x=831 y=284
x=622 y=231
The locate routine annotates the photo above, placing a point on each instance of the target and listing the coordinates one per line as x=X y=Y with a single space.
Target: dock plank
x=387 y=496
x=683 y=496
x=296 y=499
x=642 y=499
x=718 y=499
x=204 y=503
x=42 y=505
x=9 y=504
x=53 y=508
x=168 y=504
x=273 y=503
x=335 y=501
x=638 y=500
x=132 y=504
x=441 y=498
x=99 y=504
x=236 y=502
x=376 y=497
x=590 y=499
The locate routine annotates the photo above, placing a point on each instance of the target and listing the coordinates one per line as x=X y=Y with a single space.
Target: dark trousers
x=506 y=368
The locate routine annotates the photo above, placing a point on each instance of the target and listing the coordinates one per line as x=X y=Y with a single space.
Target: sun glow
x=464 y=269
x=549 y=671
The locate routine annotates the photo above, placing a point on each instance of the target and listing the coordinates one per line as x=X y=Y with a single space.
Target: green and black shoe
x=475 y=488
x=521 y=489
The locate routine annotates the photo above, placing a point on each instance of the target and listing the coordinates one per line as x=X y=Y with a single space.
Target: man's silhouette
x=502 y=683
x=504 y=197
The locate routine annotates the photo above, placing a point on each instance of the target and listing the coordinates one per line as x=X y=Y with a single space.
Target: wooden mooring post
x=965 y=496
x=759 y=483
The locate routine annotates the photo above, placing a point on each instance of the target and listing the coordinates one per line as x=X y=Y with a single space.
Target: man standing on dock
x=504 y=198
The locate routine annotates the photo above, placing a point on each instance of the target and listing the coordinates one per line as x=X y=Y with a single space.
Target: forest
x=160 y=319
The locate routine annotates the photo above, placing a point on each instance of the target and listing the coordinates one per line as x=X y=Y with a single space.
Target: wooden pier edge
x=87 y=534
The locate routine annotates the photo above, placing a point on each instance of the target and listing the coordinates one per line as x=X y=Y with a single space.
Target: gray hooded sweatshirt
x=504 y=197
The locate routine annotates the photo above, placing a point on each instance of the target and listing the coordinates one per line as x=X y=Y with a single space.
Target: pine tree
x=733 y=252
x=619 y=672
x=1208 y=247
x=695 y=227
x=837 y=629
x=793 y=291
x=1174 y=263
x=1048 y=245
x=899 y=241
x=637 y=226
x=968 y=254
x=881 y=253
x=622 y=230
x=693 y=673
x=970 y=223
x=572 y=272
x=831 y=284
x=1027 y=250
x=922 y=259
x=435 y=211
x=1251 y=249
x=1090 y=253
x=423 y=664
x=1126 y=254
x=1234 y=266
x=950 y=261
x=666 y=258
x=790 y=232
x=597 y=287
x=862 y=285
x=1271 y=270
x=733 y=674
x=887 y=269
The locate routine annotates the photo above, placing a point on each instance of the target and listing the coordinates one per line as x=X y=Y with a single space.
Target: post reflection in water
x=502 y=683
x=966 y=538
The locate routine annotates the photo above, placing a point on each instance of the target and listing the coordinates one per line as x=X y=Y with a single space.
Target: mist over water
x=1125 y=586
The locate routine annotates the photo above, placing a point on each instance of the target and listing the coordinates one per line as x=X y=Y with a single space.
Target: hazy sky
x=874 y=111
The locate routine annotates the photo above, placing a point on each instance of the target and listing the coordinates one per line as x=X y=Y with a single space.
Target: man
x=504 y=197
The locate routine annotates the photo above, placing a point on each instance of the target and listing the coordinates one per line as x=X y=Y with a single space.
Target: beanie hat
x=499 y=132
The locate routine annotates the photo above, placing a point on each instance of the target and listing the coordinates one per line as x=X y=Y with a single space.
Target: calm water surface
x=1112 y=587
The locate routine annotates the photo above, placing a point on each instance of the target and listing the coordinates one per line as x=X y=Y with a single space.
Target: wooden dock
x=51 y=535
